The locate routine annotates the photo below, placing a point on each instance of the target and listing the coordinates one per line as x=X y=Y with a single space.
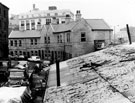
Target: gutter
x=102 y=29
x=62 y=32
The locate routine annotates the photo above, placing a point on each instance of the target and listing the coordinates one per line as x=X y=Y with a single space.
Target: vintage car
x=18 y=77
x=34 y=58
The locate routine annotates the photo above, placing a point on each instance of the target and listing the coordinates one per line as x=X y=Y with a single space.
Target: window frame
x=15 y=41
x=31 y=41
x=20 y=43
x=83 y=38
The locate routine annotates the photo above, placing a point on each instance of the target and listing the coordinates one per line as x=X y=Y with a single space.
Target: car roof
x=16 y=70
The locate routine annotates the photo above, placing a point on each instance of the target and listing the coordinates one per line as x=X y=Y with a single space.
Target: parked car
x=35 y=58
x=17 y=77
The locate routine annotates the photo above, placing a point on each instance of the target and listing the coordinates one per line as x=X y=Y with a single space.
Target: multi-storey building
x=62 y=40
x=35 y=18
x=3 y=31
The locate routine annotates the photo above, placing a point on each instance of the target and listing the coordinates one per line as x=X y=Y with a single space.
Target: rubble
x=108 y=77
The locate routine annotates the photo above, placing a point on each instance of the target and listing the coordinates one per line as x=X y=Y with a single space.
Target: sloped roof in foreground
x=114 y=82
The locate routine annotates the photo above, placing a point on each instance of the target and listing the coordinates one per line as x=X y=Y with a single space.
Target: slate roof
x=95 y=24
x=25 y=34
x=64 y=27
x=98 y=24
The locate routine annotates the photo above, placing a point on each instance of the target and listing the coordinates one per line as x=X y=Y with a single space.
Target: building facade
x=61 y=40
x=35 y=18
x=3 y=31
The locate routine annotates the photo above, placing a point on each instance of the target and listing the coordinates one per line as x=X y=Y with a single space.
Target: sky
x=117 y=13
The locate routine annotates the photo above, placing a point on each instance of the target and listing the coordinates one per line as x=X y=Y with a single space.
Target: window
x=20 y=43
x=67 y=15
x=56 y=14
x=15 y=43
x=68 y=37
x=83 y=36
x=20 y=52
x=32 y=53
x=4 y=13
x=58 y=39
x=48 y=14
x=33 y=24
x=11 y=43
x=31 y=41
x=47 y=39
x=35 y=41
x=48 y=21
x=39 y=22
x=36 y=53
x=15 y=52
x=54 y=18
x=57 y=21
x=22 y=23
x=49 y=53
x=27 y=25
x=62 y=22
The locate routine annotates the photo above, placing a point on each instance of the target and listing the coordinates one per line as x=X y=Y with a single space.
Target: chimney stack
x=67 y=19
x=78 y=15
x=52 y=8
x=34 y=7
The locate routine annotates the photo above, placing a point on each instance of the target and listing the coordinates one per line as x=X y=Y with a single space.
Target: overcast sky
x=114 y=12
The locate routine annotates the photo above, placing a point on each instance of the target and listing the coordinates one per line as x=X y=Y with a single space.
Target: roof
x=46 y=11
x=114 y=67
x=25 y=34
x=95 y=24
x=64 y=27
x=4 y=5
x=98 y=24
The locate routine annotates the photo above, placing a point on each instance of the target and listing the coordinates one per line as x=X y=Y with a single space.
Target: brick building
x=3 y=31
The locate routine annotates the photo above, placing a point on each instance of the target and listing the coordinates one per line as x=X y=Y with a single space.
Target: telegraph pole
x=129 y=36
x=58 y=72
